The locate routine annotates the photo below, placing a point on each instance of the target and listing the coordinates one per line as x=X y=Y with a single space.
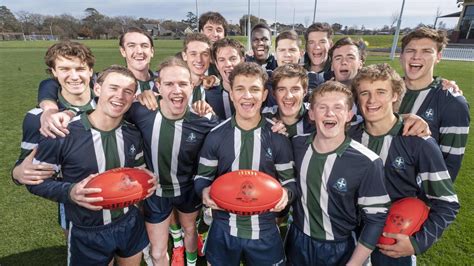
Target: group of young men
x=213 y=109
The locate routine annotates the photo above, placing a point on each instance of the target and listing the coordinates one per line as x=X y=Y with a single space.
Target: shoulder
x=223 y=126
x=363 y=152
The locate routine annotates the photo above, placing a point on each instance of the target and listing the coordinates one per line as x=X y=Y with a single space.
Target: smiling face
x=72 y=74
x=247 y=94
x=116 y=94
x=317 y=48
x=289 y=95
x=418 y=60
x=375 y=99
x=330 y=112
x=137 y=51
x=213 y=31
x=175 y=90
x=287 y=52
x=226 y=59
x=197 y=56
x=346 y=62
x=261 y=43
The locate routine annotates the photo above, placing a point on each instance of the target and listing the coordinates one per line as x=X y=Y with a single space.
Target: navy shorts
x=124 y=237
x=223 y=249
x=377 y=258
x=157 y=209
x=302 y=249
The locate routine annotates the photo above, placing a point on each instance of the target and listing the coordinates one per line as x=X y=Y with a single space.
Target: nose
x=288 y=94
x=74 y=74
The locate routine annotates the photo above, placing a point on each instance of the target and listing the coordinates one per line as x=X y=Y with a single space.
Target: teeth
x=117 y=104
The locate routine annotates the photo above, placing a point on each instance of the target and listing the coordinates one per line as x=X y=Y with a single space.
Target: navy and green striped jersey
x=171 y=146
x=228 y=148
x=447 y=115
x=270 y=62
x=304 y=124
x=414 y=167
x=199 y=94
x=336 y=189
x=85 y=151
x=218 y=98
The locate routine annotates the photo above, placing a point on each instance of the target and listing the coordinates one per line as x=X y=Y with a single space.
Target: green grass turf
x=29 y=233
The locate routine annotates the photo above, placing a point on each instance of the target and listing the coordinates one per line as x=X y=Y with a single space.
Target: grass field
x=29 y=234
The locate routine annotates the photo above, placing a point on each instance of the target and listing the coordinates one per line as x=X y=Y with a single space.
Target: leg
x=188 y=222
x=158 y=234
x=130 y=261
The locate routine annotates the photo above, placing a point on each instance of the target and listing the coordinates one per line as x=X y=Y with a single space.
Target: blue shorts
x=124 y=237
x=377 y=258
x=302 y=249
x=223 y=249
x=157 y=209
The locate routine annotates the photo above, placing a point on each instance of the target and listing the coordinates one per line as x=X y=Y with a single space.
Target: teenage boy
x=245 y=141
x=339 y=181
x=213 y=25
x=414 y=166
x=318 y=41
x=446 y=112
x=99 y=140
x=173 y=136
x=261 y=42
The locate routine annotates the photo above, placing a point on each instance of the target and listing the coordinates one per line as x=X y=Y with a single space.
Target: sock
x=177 y=235
x=191 y=258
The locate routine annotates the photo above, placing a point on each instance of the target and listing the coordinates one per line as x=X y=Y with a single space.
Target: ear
x=265 y=94
x=122 y=52
x=97 y=89
x=438 y=57
x=183 y=55
x=152 y=49
x=310 y=114
x=350 y=114
x=53 y=71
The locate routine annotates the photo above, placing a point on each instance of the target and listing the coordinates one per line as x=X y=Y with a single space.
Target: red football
x=246 y=192
x=121 y=187
x=406 y=216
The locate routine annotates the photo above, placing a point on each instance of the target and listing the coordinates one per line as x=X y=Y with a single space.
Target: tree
x=191 y=20
x=8 y=21
x=253 y=22
x=94 y=21
x=336 y=27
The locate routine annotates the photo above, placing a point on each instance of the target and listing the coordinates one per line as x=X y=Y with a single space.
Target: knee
x=158 y=253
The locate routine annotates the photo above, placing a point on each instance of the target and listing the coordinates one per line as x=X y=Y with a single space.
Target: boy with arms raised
x=446 y=112
x=245 y=141
x=98 y=140
x=339 y=181
x=414 y=166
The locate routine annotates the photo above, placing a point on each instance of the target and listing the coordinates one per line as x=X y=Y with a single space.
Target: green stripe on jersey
x=109 y=144
x=246 y=150
x=244 y=222
x=165 y=153
x=453 y=140
x=408 y=101
x=313 y=195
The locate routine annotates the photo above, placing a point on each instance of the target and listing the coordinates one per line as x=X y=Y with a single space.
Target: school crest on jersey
x=399 y=163
x=269 y=154
x=132 y=151
x=341 y=185
x=191 y=138
x=429 y=114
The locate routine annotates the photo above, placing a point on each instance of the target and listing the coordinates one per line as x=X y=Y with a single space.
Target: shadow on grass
x=56 y=255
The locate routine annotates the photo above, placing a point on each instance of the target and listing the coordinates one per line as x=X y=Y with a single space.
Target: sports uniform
x=414 y=167
x=229 y=148
x=304 y=124
x=447 y=115
x=171 y=152
x=336 y=189
x=94 y=236
x=270 y=62
x=218 y=98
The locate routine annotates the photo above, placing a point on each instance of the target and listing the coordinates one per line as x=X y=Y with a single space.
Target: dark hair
x=195 y=37
x=290 y=71
x=288 y=35
x=137 y=30
x=260 y=26
x=171 y=62
x=227 y=42
x=318 y=27
x=119 y=70
x=68 y=49
x=332 y=86
x=248 y=69
x=438 y=36
x=213 y=17
x=360 y=45
x=380 y=72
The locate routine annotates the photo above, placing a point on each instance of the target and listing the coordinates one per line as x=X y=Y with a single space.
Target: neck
x=142 y=75
x=247 y=124
x=103 y=122
x=289 y=120
x=348 y=83
x=77 y=100
x=419 y=84
x=166 y=112
x=317 y=68
x=226 y=86
x=325 y=145
x=196 y=79
x=382 y=127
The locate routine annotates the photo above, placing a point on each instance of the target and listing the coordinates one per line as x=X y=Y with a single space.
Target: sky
x=370 y=13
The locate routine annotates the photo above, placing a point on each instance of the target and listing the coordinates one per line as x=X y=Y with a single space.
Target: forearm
x=360 y=255
x=52 y=189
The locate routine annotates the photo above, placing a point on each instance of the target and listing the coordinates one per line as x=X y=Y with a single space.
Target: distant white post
x=249 y=47
x=314 y=12
x=397 y=33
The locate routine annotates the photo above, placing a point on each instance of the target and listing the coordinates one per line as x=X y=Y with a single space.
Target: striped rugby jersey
x=414 y=166
x=304 y=124
x=219 y=99
x=447 y=115
x=336 y=189
x=228 y=148
x=85 y=151
x=171 y=146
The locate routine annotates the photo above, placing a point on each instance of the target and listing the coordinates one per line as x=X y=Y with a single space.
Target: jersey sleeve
x=207 y=167
x=30 y=134
x=284 y=165
x=453 y=132
x=49 y=151
x=48 y=90
x=373 y=201
x=439 y=190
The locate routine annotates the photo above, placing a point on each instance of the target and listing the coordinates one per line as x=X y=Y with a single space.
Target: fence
x=459 y=54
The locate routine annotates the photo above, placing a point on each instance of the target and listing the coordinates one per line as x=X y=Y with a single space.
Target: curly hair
x=438 y=36
x=68 y=49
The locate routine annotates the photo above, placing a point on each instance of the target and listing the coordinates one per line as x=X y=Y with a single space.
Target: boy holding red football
x=414 y=166
x=245 y=141
x=339 y=181
x=98 y=140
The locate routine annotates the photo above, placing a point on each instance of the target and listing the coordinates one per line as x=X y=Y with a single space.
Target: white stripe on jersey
x=56 y=167
x=436 y=176
x=364 y=150
x=257 y=142
x=284 y=166
x=419 y=101
x=387 y=141
x=120 y=145
x=365 y=139
x=203 y=177
x=237 y=142
x=207 y=162
x=304 y=189
x=451 y=150
x=154 y=149
x=454 y=130
x=100 y=157
x=255 y=227
x=139 y=156
x=283 y=183
x=375 y=210
x=69 y=246
x=28 y=145
x=178 y=132
x=233 y=224
x=324 y=198
x=373 y=200
x=225 y=100
x=35 y=111
x=300 y=127
x=452 y=198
